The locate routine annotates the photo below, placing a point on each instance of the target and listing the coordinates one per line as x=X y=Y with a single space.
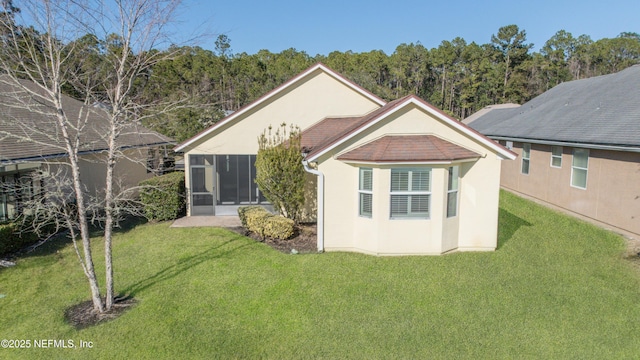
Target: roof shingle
x=407 y=149
x=28 y=128
x=603 y=110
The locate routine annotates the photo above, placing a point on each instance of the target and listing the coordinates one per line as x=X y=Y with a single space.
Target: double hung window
x=452 y=191
x=526 y=154
x=556 y=156
x=579 y=168
x=410 y=193
x=365 y=192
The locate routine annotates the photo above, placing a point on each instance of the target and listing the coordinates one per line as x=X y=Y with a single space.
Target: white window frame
x=364 y=193
x=526 y=159
x=453 y=173
x=575 y=168
x=509 y=145
x=556 y=156
x=409 y=193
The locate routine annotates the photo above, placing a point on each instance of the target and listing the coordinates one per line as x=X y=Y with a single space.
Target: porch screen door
x=202 y=170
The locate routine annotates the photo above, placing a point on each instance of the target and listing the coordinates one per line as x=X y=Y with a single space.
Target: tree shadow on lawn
x=508 y=224
x=184 y=265
x=56 y=242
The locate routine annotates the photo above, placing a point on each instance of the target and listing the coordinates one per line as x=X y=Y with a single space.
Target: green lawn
x=556 y=288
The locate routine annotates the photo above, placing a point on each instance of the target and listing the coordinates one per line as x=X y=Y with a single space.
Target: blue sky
x=320 y=27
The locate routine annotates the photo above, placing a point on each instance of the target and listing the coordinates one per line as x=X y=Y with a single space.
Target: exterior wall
x=314 y=98
x=129 y=171
x=479 y=203
x=474 y=228
x=612 y=195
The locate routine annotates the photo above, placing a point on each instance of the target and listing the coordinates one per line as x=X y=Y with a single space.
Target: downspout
x=320 y=194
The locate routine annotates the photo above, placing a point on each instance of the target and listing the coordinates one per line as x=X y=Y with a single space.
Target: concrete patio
x=207 y=221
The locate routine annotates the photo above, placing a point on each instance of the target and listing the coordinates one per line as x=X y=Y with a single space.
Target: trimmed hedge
x=260 y=221
x=163 y=197
x=11 y=239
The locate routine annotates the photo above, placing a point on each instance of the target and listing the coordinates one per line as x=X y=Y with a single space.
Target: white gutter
x=634 y=149
x=320 y=194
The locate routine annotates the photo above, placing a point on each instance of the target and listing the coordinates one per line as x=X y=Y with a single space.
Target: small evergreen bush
x=163 y=197
x=260 y=221
x=278 y=227
x=12 y=239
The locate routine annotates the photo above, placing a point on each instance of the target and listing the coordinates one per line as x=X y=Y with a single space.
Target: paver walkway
x=205 y=221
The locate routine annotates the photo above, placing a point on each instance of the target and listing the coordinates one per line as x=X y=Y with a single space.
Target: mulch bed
x=303 y=241
x=82 y=315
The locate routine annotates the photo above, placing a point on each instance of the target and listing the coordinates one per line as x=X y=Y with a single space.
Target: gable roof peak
x=273 y=93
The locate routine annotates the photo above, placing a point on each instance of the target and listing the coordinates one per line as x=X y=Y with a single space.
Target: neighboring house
x=579 y=147
x=471 y=118
x=393 y=178
x=30 y=141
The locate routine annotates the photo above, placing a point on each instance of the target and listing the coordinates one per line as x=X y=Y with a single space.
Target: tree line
x=458 y=77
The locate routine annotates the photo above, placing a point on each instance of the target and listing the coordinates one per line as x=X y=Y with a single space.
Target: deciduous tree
x=53 y=48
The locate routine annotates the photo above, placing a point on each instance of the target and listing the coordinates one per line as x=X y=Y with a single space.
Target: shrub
x=12 y=239
x=242 y=213
x=163 y=197
x=280 y=175
x=279 y=227
x=260 y=221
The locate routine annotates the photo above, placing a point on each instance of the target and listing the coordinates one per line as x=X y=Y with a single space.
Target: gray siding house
x=578 y=147
x=30 y=140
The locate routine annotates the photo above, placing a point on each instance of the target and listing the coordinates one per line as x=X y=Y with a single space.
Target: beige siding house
x=394 y=178
x=578 y=148
x=25 y=116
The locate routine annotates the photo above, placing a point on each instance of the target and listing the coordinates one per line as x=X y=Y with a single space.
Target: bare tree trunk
x=108 y=231
x=72 y=145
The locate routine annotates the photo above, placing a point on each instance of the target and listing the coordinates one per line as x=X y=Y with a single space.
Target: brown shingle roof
x=326 y=132
x=409 y=148
x=28 y=129
x=333 y=137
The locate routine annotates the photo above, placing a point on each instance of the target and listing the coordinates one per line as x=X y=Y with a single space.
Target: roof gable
x=602 y=110
x=295 y=81
x=358 y=125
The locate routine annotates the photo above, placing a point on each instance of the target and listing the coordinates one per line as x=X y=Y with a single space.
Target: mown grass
x=557 y=288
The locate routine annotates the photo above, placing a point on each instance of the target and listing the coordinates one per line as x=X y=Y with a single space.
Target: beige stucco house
x=393 y=178
x=578 y=146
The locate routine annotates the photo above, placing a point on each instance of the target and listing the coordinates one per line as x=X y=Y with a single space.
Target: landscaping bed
x=304 y=240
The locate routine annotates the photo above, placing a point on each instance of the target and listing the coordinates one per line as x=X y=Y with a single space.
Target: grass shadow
x=508 y=224
x=123 y=226
x=184 y=265
x=57 y=242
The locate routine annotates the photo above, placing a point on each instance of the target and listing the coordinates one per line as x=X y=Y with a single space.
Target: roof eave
x=84 y=152
x=410 y=162
x=628 y=148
